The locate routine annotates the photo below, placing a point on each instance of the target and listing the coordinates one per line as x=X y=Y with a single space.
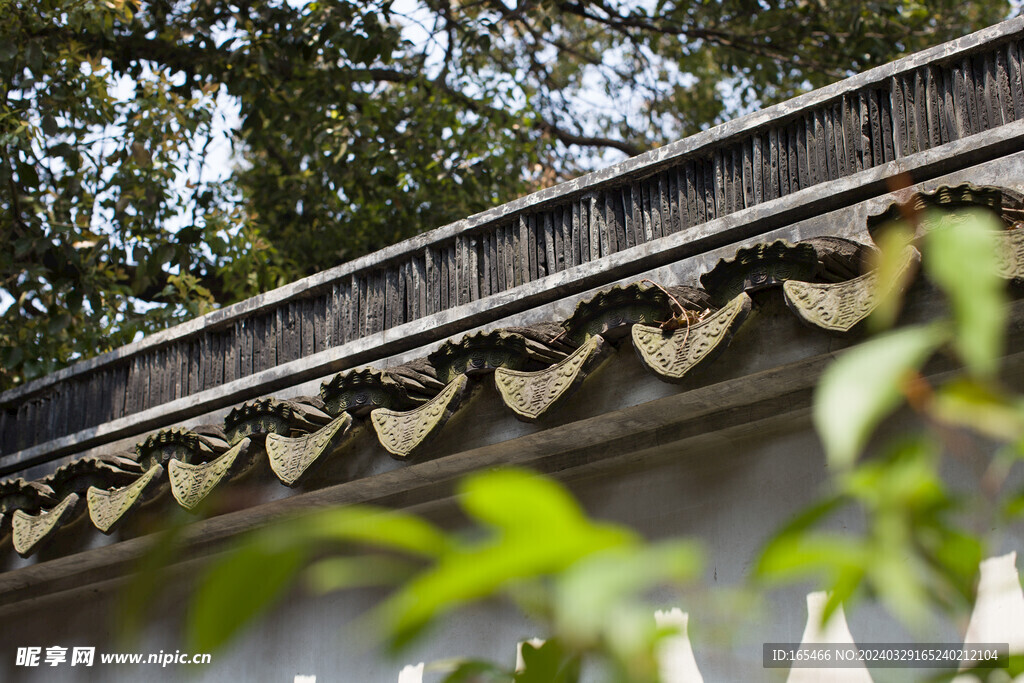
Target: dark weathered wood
x=692 y=208
x=718 y=182
x=757 y=177
x=486 y=261
x=851 y=135
x=644 y=190
x=561 y=239
x=442 y=285
x=967 y=95
x=771 y=188
x=617 y=220
x=338 y=312
x=431 y=266
x=1002 y=75
x=665 y=196
x=813 y=164
x=467 y=269
x=537 y=226
x=831 y=157
x=888 y=132
x=785 y=183
x=702 y=214
x=145 y=375
x=709 y=189
x=899 y=112
x=1014 y=73
x=913 y=104
x=594 y=223
x=634 y=214
x=549 y=243
x=322 y=328
x=522 y=264
x=863 y=132
x=734 y=168
x=984 y=89
x=572 y=215
x=531 y=247
x=924 y=140
x=509 y=256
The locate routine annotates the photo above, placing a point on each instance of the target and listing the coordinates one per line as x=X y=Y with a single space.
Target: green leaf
x=960 y=257
x=548 y=663
x=540 y=531
x=513 y=498
x=377 y=527
x=893 y=275
x=980 y=407
x=243 y=585
x=592 y=593
x=340 y=573
x=864 y=385
x=58 y=322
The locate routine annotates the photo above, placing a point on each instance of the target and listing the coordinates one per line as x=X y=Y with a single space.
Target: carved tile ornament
x=1004 y=202
x=290 y=458
x=29 y=531
x=360 y=391
x=401 y=433
x=760 y=266
x=107 y=507
x=616 y=309
x=175 y=443
x=671 y=356
x=263 y=416
x=532 y=394
x=478 y=353
x=841 y=305
x=190 y=483
x=18 y=494
x=1010 y=252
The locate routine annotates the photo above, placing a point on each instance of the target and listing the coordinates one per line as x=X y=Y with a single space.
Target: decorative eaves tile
x=272 y=416
x=759 y=266
x=946 y=198
x=360 y=391
x=291 y=457
x=28 y=532
x=617 y=308
x=107 y=507
x=531 y=395
x=175 y=443
x=190 y=483
x=1010 y=252
x=18 y=494
x=671 y=355
x=401 y=433
x=479 y=353
x=841 y=305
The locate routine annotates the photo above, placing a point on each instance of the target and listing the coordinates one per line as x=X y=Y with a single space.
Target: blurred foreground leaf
x=864 y=385
x=961 y=259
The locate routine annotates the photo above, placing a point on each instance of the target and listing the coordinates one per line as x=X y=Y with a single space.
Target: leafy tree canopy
x=351 y=125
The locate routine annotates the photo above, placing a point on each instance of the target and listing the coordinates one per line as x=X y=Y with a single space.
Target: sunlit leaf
x=377 y=527
x=548 y=663
x=980 y=407
x=244 y=584
x=890 y=264
x=340 y=573
x=591 y=593
x=513 y=498
x=960 y=257
x=864 y=385
x=541 y=530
